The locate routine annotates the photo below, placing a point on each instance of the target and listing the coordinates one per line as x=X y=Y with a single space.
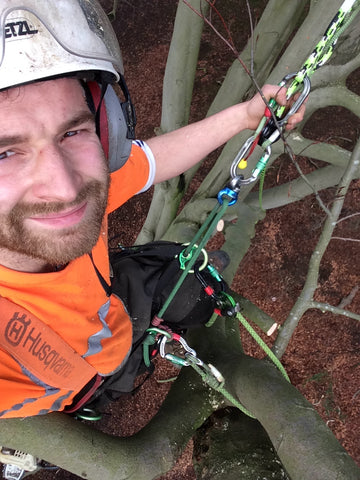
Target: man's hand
x=180 y=149
x=255 y=107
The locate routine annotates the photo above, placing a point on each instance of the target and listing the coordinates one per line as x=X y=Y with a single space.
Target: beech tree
x=305 y=447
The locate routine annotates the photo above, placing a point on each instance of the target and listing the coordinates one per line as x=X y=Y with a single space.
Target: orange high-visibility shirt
x=73 y=302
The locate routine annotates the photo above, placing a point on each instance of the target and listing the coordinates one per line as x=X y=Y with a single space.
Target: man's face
x=53 y=175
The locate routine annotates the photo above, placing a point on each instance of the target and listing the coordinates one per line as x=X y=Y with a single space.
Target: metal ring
x=88 y=414
x=230 y=193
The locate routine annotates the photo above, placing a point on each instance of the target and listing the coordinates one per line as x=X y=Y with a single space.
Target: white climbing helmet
x=46 y=38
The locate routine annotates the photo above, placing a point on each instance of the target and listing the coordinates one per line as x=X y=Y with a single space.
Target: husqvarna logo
x=19 y=29
x=16 y=329
x=28 y=338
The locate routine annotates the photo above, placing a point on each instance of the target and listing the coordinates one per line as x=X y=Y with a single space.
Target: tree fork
x=305 y=445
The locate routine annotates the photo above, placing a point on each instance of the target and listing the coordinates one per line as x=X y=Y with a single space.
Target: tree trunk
x=294 y=428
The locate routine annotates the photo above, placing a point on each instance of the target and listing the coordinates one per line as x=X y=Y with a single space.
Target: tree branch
x=295 y=429
x=325 y=152
x=346 y=239
x=296 y=189
x=91 y=454
x=290 y=421
x=348 y=217
x=324 y=307
x=177 y=95
x=306 y=296
x=336 y=95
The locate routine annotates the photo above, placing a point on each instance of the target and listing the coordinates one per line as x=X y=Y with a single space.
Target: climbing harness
x=269 y=131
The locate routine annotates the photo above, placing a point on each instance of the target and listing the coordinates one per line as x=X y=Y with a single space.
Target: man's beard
x=56 y=246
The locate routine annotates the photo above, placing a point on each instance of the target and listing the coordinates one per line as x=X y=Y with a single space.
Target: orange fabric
x=40 y=349
x=74 y=303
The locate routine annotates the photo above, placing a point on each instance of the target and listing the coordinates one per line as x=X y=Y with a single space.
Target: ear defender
x=111 y=125
x=94 y=98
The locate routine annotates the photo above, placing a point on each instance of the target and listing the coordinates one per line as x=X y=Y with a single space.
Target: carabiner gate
x=241 y=155
x=261 y=164
x=291 y=91
x=272 y=132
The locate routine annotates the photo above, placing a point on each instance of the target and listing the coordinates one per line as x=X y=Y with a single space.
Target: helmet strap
x=128 y=109
x=94 y=95
x=98 y=109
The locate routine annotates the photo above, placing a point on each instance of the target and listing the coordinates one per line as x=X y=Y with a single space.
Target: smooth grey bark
x=328 y=86
x=276 y=24
x=91 y=454
x=290 y=421
x=305 y=445
x=297 y=189
x=271 y=32
x=177 y=94
x=231 y=445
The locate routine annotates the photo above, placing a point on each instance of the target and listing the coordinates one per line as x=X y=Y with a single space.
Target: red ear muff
x=113 y=125
x=102 y=119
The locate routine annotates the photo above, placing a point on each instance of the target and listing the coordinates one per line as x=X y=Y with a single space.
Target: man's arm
x=177 y=151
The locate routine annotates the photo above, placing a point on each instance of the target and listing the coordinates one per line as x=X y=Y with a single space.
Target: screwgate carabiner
x=270 y=133
x=261 y=164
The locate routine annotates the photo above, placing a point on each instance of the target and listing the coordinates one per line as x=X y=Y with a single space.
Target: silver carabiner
x=273 y=134
x=178 y=338
x=193 y=360
x=272 y=131
x=261 y=164
x=241 y=155
x=299 y=101
x=257 y=170
x=162 y=346
x=185 y=345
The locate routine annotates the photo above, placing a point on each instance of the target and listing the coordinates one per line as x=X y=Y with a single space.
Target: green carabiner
x=183 y=259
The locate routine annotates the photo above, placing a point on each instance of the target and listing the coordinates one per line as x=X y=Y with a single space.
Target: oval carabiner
x=271 y=132
x=299 y=101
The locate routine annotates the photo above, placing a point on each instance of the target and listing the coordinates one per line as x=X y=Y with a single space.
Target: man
x=62 y=331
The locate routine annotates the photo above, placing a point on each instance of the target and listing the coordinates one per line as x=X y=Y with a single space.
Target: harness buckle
x=17 y=463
